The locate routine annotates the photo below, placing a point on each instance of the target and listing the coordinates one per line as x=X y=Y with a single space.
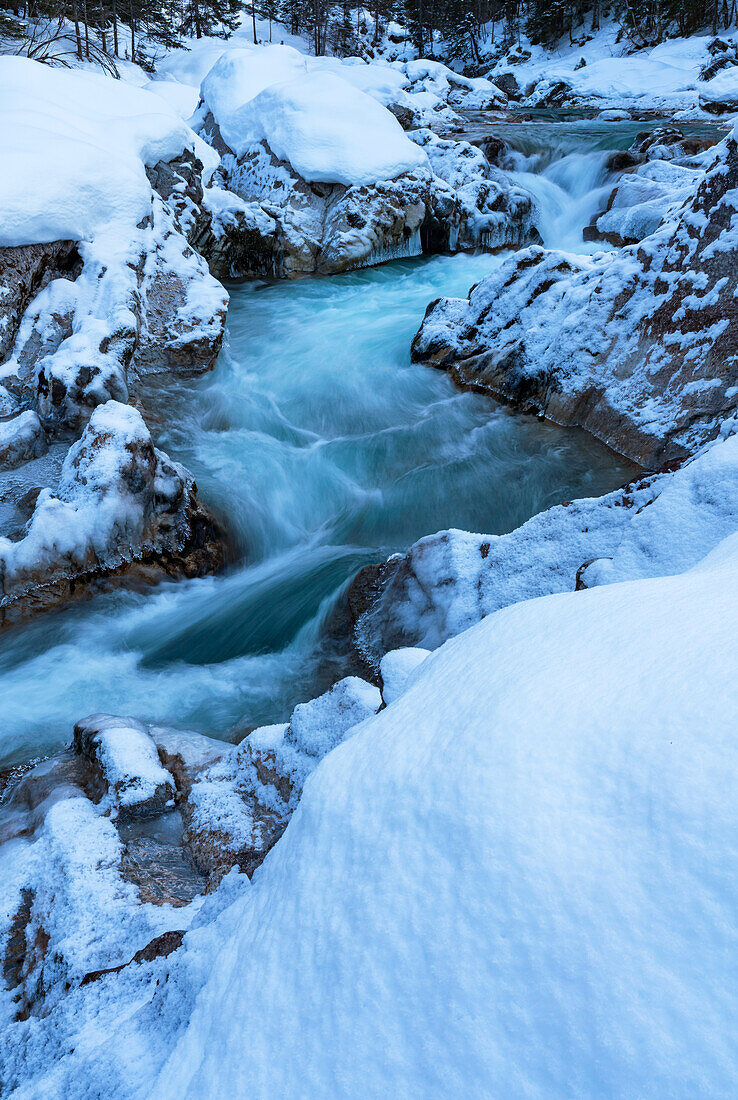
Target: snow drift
x=74 y=146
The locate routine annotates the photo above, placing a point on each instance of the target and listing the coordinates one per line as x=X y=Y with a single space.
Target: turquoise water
x=320 y=448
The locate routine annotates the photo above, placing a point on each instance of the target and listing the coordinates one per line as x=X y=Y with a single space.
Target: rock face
x=638 y=347
x=280 y=226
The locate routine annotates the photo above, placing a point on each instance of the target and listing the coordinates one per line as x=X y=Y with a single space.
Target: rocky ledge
x=133 y=824
x=637 y=346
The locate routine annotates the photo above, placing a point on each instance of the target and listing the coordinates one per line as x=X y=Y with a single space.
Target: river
x=320 y=448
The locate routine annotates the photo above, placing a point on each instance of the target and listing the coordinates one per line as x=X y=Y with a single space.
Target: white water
x=322 y=449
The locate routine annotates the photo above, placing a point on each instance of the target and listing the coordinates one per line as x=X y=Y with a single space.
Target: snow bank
x=74 y=149
x=519 y=877
x=329 y=131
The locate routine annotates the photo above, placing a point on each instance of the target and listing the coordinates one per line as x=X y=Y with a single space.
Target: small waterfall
x=567 y=191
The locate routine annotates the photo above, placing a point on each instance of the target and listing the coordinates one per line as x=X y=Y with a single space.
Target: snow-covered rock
x=237 y=809
x=397 y=669
x=126 y=771
x=118 y=501
x=21 y=439
x=120 y=294
x=282 y=225
x=520 y=871
x=720 y=95
x=326 y=129
x=642 y=200
x=636 y=346
x=75 y=145
x=446 y=582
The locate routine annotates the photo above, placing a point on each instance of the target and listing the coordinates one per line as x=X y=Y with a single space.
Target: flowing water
x=321 y=448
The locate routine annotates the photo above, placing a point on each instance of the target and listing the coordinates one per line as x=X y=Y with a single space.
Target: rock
x=508 y=83
x=637 y=347
x=656 y=525
x=125 y=769
x=21 y=439
x=122 y=509
x=614 y=115
x=641 y=201
x=550 y=93
x=24 y=271
x=286 y=227
x=666 y=143
x=159 y=948
x=620 y=162
x=237 y=809
x=720 y=94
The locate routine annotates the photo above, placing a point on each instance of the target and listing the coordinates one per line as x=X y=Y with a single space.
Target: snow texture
x=518 y=877
x=75 y=146
x=328 y=130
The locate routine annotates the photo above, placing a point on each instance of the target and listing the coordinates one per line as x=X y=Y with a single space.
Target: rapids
x=321 y=448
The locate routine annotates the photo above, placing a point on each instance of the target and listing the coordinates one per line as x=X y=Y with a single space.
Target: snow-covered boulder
x=397 y=669
x=327 y=130
x=237 y=809
x=720 y=95
x=126 y=773
x=21 y=439
x=636 y=346
x=241 y=74
x=641 y=201
x=281 y=225
x=98 y=286
x=118 y=501
x=75 y=146
x=447 y=582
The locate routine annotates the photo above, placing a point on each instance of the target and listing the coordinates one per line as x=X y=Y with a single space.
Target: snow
x=329 y=131
x=665 y=76
x=240 y=74
x=723 y=88
x=397 y=669
x=112 y=481
x=318 y=726
x=128 y=761
x=75 y=145
x=522 y=871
